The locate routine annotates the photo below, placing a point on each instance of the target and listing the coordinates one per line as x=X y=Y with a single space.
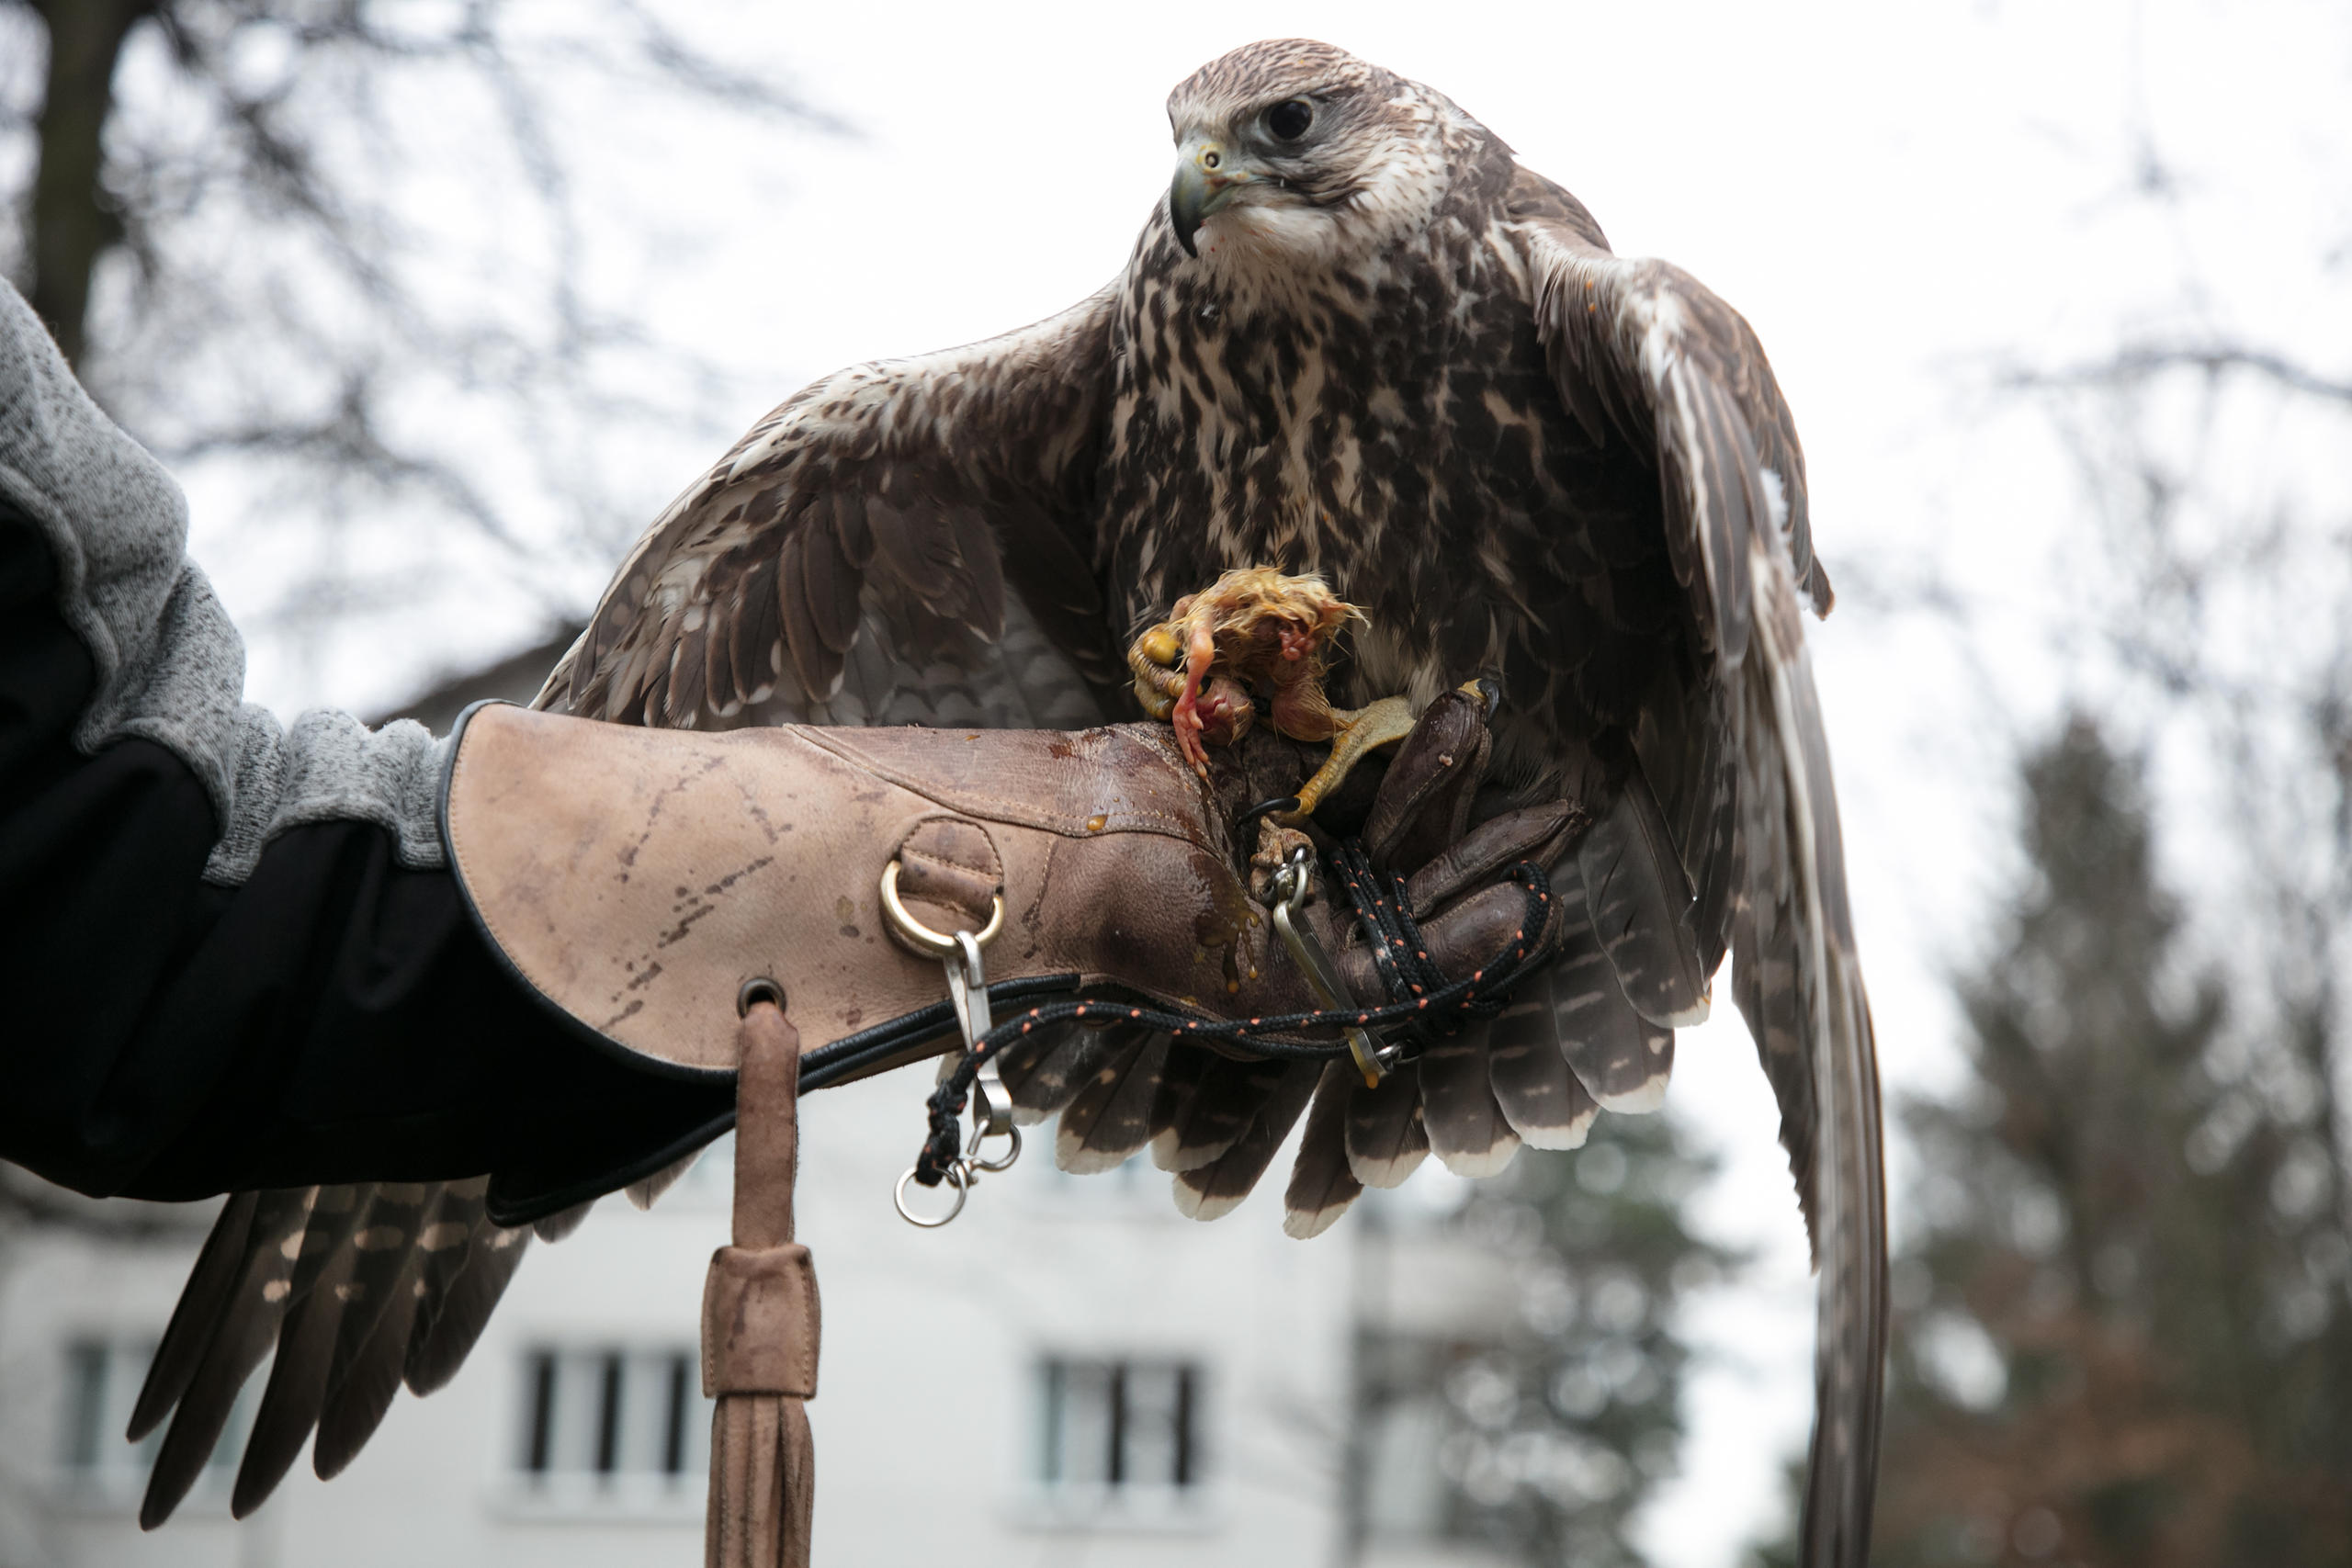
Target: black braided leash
x=1427 y=1006
x=1398 y=950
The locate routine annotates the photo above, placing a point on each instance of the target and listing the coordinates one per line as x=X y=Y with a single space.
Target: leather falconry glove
x=639 y=880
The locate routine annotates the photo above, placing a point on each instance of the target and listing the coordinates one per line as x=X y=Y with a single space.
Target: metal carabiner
x=967 y=994
x=968 y=990
x=1290 y=890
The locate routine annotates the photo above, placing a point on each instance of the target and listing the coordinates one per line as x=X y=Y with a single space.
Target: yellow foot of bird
x=1361 y=734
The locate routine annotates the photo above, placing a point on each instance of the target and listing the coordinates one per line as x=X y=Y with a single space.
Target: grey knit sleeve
x=170 y=666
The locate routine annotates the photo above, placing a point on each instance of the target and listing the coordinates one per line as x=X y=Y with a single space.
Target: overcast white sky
x=1901 y=198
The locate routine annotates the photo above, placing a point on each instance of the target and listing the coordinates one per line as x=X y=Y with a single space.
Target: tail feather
x=1321 y=1185
x=1544 y=1103
x=448 y=1245
x=1387 y=1133
x=646 y=1193
x=1213 y=1191
x=335 y=1214
x=1620 y=1056
x=1225 y=1097
x=1045 y=1073
x=1179 y=1082
x=1109 y=1119
x=387 y=1244
x=306 y=1341
x=1639 y=898
x=1466 y=1128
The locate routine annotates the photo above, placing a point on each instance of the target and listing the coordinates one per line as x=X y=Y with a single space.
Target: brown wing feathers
x=908 y=486
x=1735 y=517
x=1812 y=1020
x=1045 y=1073
x=356 y=1289
x=1638 y=897
x=1110 y=1118
x=1208 y=1191
x=231 y=1343
x=1211 y=1114
x=297 y=1387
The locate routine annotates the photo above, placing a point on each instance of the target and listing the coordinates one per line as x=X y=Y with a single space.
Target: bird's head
x=1298 y=150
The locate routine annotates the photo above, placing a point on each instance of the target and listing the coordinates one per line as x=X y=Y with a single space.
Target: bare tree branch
x=398 y=369
x=2215 y=360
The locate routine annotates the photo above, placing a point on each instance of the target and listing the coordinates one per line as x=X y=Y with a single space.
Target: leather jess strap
x=759 y=1323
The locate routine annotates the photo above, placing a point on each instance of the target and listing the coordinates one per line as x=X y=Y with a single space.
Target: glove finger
x=1424 y=803
x=1474 y=933
x=1540 y=833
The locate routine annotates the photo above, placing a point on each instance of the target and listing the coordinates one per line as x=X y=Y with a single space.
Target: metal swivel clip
x=967 y=994
x=1291 y=884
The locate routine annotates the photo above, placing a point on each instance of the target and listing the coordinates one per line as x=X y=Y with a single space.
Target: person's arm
x=233 y=956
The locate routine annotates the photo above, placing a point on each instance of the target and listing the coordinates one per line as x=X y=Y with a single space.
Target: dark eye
x=1289 y=119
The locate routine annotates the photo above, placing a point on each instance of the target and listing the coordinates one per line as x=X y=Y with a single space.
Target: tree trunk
x=71 y=222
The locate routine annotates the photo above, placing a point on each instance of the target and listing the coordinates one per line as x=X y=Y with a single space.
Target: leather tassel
x=760 y=1324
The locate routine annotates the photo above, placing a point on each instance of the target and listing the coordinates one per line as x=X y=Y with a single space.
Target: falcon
x=1355 y=338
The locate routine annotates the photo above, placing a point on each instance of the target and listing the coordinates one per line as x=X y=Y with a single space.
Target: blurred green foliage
x=2123 y=1330
x=1549 y=1434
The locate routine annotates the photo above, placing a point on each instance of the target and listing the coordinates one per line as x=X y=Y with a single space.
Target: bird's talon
x=1361 y=733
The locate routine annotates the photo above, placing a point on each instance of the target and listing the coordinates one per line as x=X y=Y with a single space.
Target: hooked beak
x=1207 y=178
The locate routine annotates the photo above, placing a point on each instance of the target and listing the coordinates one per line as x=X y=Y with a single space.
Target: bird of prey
x=1355 y=337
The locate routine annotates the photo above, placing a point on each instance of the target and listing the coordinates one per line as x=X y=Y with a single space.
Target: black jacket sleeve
x=336 y=1017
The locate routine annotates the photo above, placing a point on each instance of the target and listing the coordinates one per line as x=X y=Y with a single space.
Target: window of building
x=1119 y=1436
x=612 y=1422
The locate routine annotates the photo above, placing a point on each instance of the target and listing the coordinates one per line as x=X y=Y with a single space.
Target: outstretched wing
x=357 y=1290
x=1643 y=354
x=878 y=516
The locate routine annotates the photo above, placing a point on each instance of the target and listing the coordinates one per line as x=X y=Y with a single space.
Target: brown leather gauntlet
x=638 y=879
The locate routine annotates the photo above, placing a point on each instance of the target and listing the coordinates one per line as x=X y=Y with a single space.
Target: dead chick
x=1259 y=629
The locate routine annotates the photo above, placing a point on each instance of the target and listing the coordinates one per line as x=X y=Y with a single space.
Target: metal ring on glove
x=955 y=1178
x=921 y=935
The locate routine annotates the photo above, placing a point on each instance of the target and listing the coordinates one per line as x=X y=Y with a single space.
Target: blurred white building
x=1070 y=1373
